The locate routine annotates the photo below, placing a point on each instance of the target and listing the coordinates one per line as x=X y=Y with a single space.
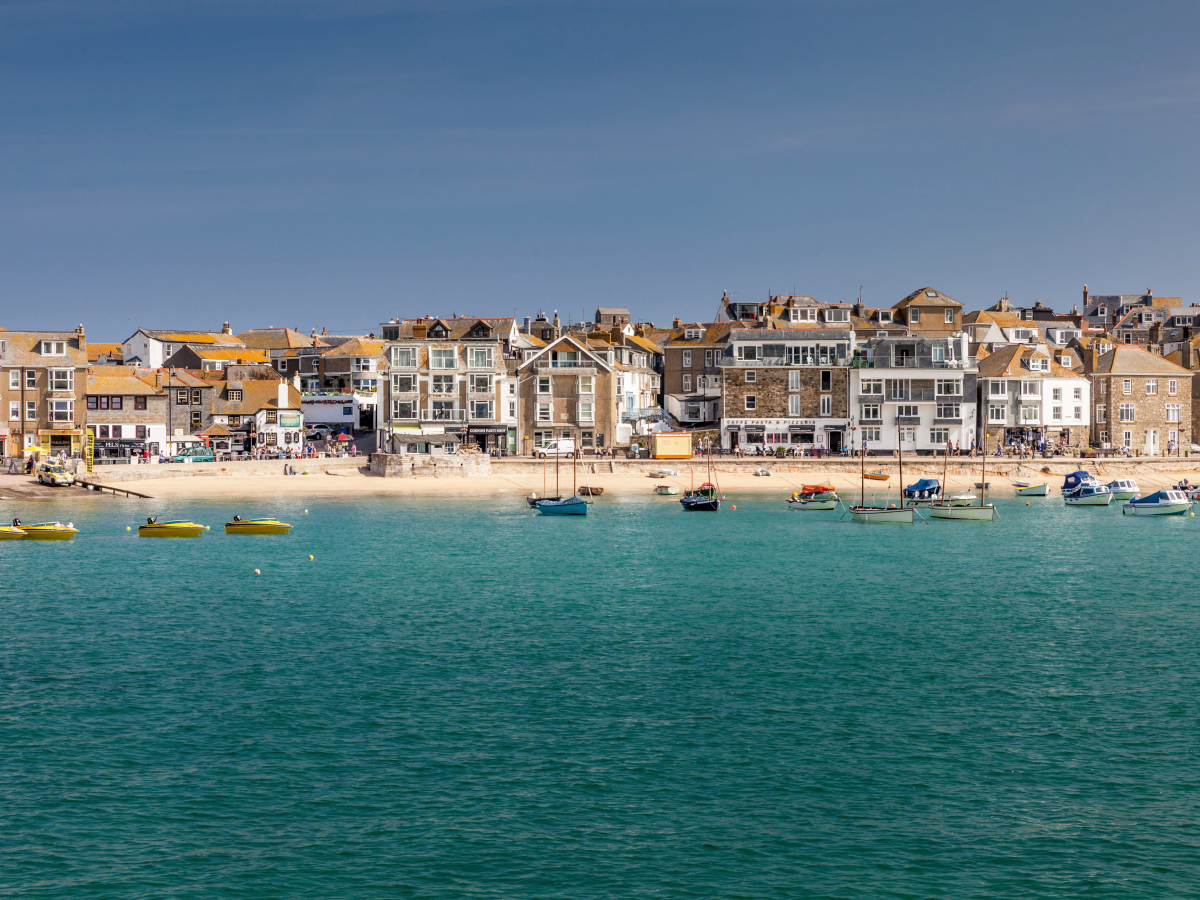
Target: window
x=1031 y=389
x=404 y=356
x=751 y=402
x=1127 y=386
x=14 y=379
x=196 y=397
x=899 y=390
x=480 y=358
x=442 y=384
x=139 y=402
x=939 y=435
x=914 y=316
x=103 y=431
x=708 y=357
x=1100 y=413
x=61 y=410
x=1102 y=310
x=1056 y=393
x=1078 y=413
x=949 y=411
x=479 y=384
x=997 y=413
x=826 y=405
x=937 y=353
x=794 y=405
x=196 y=418
x=482 y=409
x=30 y=378
x=1173 y=412
x=804 y=315
x=908 y=412
x=114 y=403
x=587 y=384
x=870 y=412
x=1056 y=413
x=1128 y=438
x=949 y=317
x=837 y=315
x=283 y=365
x=794 y=381
x=908 y=435
x=1128 y=412
x=998 y=389
x=543 y=384
x=443 y=358
x=54 y=348
x=30 y=409
x=14 y=409
x=826 y=381
x=235 y=421
x=749 y=352
x=691 y=334
x=93 y=402
x=751 y=377
x=872 y=386
x=1078 y=393
x=687 y=382
x=404 y=384
x=117 y=433
x=404 y=409
x=586 y=413
x=512 y=409
x=543 y=412
x=1151 y=385
x=687 y=359
x=272 y=437
x=235 y=395
x=949 y=388
x=1064 y=360
x=1172 y=387
x=870 y=434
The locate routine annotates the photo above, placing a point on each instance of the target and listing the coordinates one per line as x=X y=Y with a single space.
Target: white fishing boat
x=880 y=515
x=1124 y=489
x=812 y=505
x=1081 y=489
x=666 y=490
x=1033 y=490
x=1161 y=503
x=964 y=511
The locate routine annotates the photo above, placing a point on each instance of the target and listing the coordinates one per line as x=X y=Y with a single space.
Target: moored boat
x=666 y=490
x=50 y=531
x=817 y=492
x=589 y=491
x=12 y=532
x=983 y=513
x=1124 y=489
x=707 y=497
x=1033 y=490
x=569 y=506
x=880 y=515
x=1081 y=489
x=959 y=507
x=1168 y=502
x=177 y=528
x=924 y=491
x=256 y=526
x=813 y=505
x=962 y=499
x=876 y=476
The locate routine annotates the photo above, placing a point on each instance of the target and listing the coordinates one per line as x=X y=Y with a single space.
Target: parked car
x=54 y=473
x=318 y=432
x=194 y=454
x=560 y=447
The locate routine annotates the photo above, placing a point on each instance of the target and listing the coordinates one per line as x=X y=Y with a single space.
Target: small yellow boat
x=11 y=533
x=50 y=531
x=155 y=528
x=257 y=526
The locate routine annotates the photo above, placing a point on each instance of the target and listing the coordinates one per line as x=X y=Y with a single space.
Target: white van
x=561 y=447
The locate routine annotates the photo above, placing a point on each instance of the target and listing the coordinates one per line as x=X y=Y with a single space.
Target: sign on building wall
x=289 y=420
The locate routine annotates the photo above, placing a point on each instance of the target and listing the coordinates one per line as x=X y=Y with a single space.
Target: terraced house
x=1025 y=395
x=1143 y=403
x=449 y=382
x=126 y=414
x=574 y=387
x=43 y=381
x=692 y=355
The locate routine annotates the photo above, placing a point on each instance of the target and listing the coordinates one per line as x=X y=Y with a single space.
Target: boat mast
x=862 y=474
x=945 y=469
x=557 y=454
x=900 y=461
x=574 y=468
x=983 y=473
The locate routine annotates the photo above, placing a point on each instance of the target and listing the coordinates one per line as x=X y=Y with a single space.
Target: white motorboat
x=1160 y=503
x=1124 y=489
x=1081 y=489
x=1033 y=490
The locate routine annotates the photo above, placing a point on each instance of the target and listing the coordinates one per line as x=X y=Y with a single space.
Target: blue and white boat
x=1081 y=489
x=568 y=506
x=1124 y=489
x=1160 y=503
x=924 y=491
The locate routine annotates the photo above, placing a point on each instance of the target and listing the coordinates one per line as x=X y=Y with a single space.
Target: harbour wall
x=349 y=465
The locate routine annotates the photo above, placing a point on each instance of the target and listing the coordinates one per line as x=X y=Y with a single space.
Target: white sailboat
x=984 y=512
x=881 y=515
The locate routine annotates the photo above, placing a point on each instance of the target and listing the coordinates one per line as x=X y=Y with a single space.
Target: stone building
x=126 y=414
x=1025 y=395
x=43 y=381
x=1142 y=402
x=929 y=312
x=692 y=355
x=573 y=388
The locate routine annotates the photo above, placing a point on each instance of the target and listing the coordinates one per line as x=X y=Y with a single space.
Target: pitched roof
x=459 y=328
x=711 y=333
x=642 y=343
x=192 y=337
x=922 y=297
x=106 y=381
x=1005 y=362
x=277 y=339
x=1125 y=359
x=233 y=354
x=257 y=394
x=96 y=350
x=357 y=347
x=21 y=348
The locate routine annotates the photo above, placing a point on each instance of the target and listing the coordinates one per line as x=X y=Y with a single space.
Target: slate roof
x=1006 y=362
x=233 y=354
x=712 y=333
x=458 y=328
x=921 y=297
x=96 y=350
x=20 y=349
x=357 y=347
x=257 y=394
x=1128 y=360
x=191 y=337
x=277 y=339
x=127 y=384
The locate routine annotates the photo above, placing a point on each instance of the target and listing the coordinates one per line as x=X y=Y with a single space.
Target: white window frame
x=751 y=376
x=480 y=358
x=870 y=411
x=14 y=379
x=587 y=384
x=826 y=406
x=1131 y=409
x=1173 y=412
x=1151 y=387
x=687 y=382
x=1127 y=386
x=949 y=316
x=30 y=410
x=997 y=413
x=488 y=408
x=443 y=385
x=1101 y=413
x=586 y=411
x=750 y=402
x=479 y=383
x=404 y=409
x=914 y=316
x=404 y=357
x=14 y=410
x=948 y=387
x=1172 y=387
x=871 y=387
x=404 y=383
x=544 y=412
x=687 y=359
x=443 y=358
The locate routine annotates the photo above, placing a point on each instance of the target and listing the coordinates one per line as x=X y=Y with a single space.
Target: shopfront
x=119 y=452
x=489 y=437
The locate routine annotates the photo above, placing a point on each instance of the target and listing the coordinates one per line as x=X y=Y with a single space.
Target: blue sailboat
x=563 y=506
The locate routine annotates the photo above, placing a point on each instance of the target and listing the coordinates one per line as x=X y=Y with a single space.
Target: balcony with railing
x=577 y=367
x=648 y=413
x=443 y=415
x=919 y=361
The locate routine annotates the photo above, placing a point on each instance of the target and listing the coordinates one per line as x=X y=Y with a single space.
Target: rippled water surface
x=463 y=699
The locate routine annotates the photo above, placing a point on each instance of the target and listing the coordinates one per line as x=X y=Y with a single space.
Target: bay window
x=443 y=358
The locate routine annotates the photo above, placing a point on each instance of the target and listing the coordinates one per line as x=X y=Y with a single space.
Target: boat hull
x=882 y=516
x=701 y=504
x=1034 y=490
x=963 y=513
x=572 y=506
x=33 y=533
x=666 y=490
x=534 y=501
x=264 y=526
x=1161 y=509
x=963 y=500
x=8 y=533
x=181 y=530
x=1124 y=496
x=813 y=505
x=1090 y=500
x=876 y=476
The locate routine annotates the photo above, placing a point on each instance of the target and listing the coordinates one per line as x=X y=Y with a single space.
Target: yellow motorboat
x=155 y=528
x=50 y=531
x=11 y=533
x=256 y=526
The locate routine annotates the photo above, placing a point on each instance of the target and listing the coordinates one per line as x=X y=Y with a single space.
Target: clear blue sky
x=285 y=162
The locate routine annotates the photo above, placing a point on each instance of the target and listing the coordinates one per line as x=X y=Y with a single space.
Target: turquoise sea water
x=464 y=699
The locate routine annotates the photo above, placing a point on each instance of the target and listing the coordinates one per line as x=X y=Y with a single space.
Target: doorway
x=835 y=442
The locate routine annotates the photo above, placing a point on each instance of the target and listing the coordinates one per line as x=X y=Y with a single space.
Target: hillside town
x=790 y=376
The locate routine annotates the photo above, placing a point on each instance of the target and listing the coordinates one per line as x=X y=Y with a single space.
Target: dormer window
x=235 y=395
x=1102 y=311
x=54 y=348
x=837 y=315
x=692 y=334
x=885 y=316
x=804 y=315
x=438 y=331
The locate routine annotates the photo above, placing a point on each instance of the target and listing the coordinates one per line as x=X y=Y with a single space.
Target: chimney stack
x=526 y=328
x=420 y=331
x=1186 y=351
x=557 y=325
x=1085 y=296
x=677 y=323
x=282 y=399
x=226 y=329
